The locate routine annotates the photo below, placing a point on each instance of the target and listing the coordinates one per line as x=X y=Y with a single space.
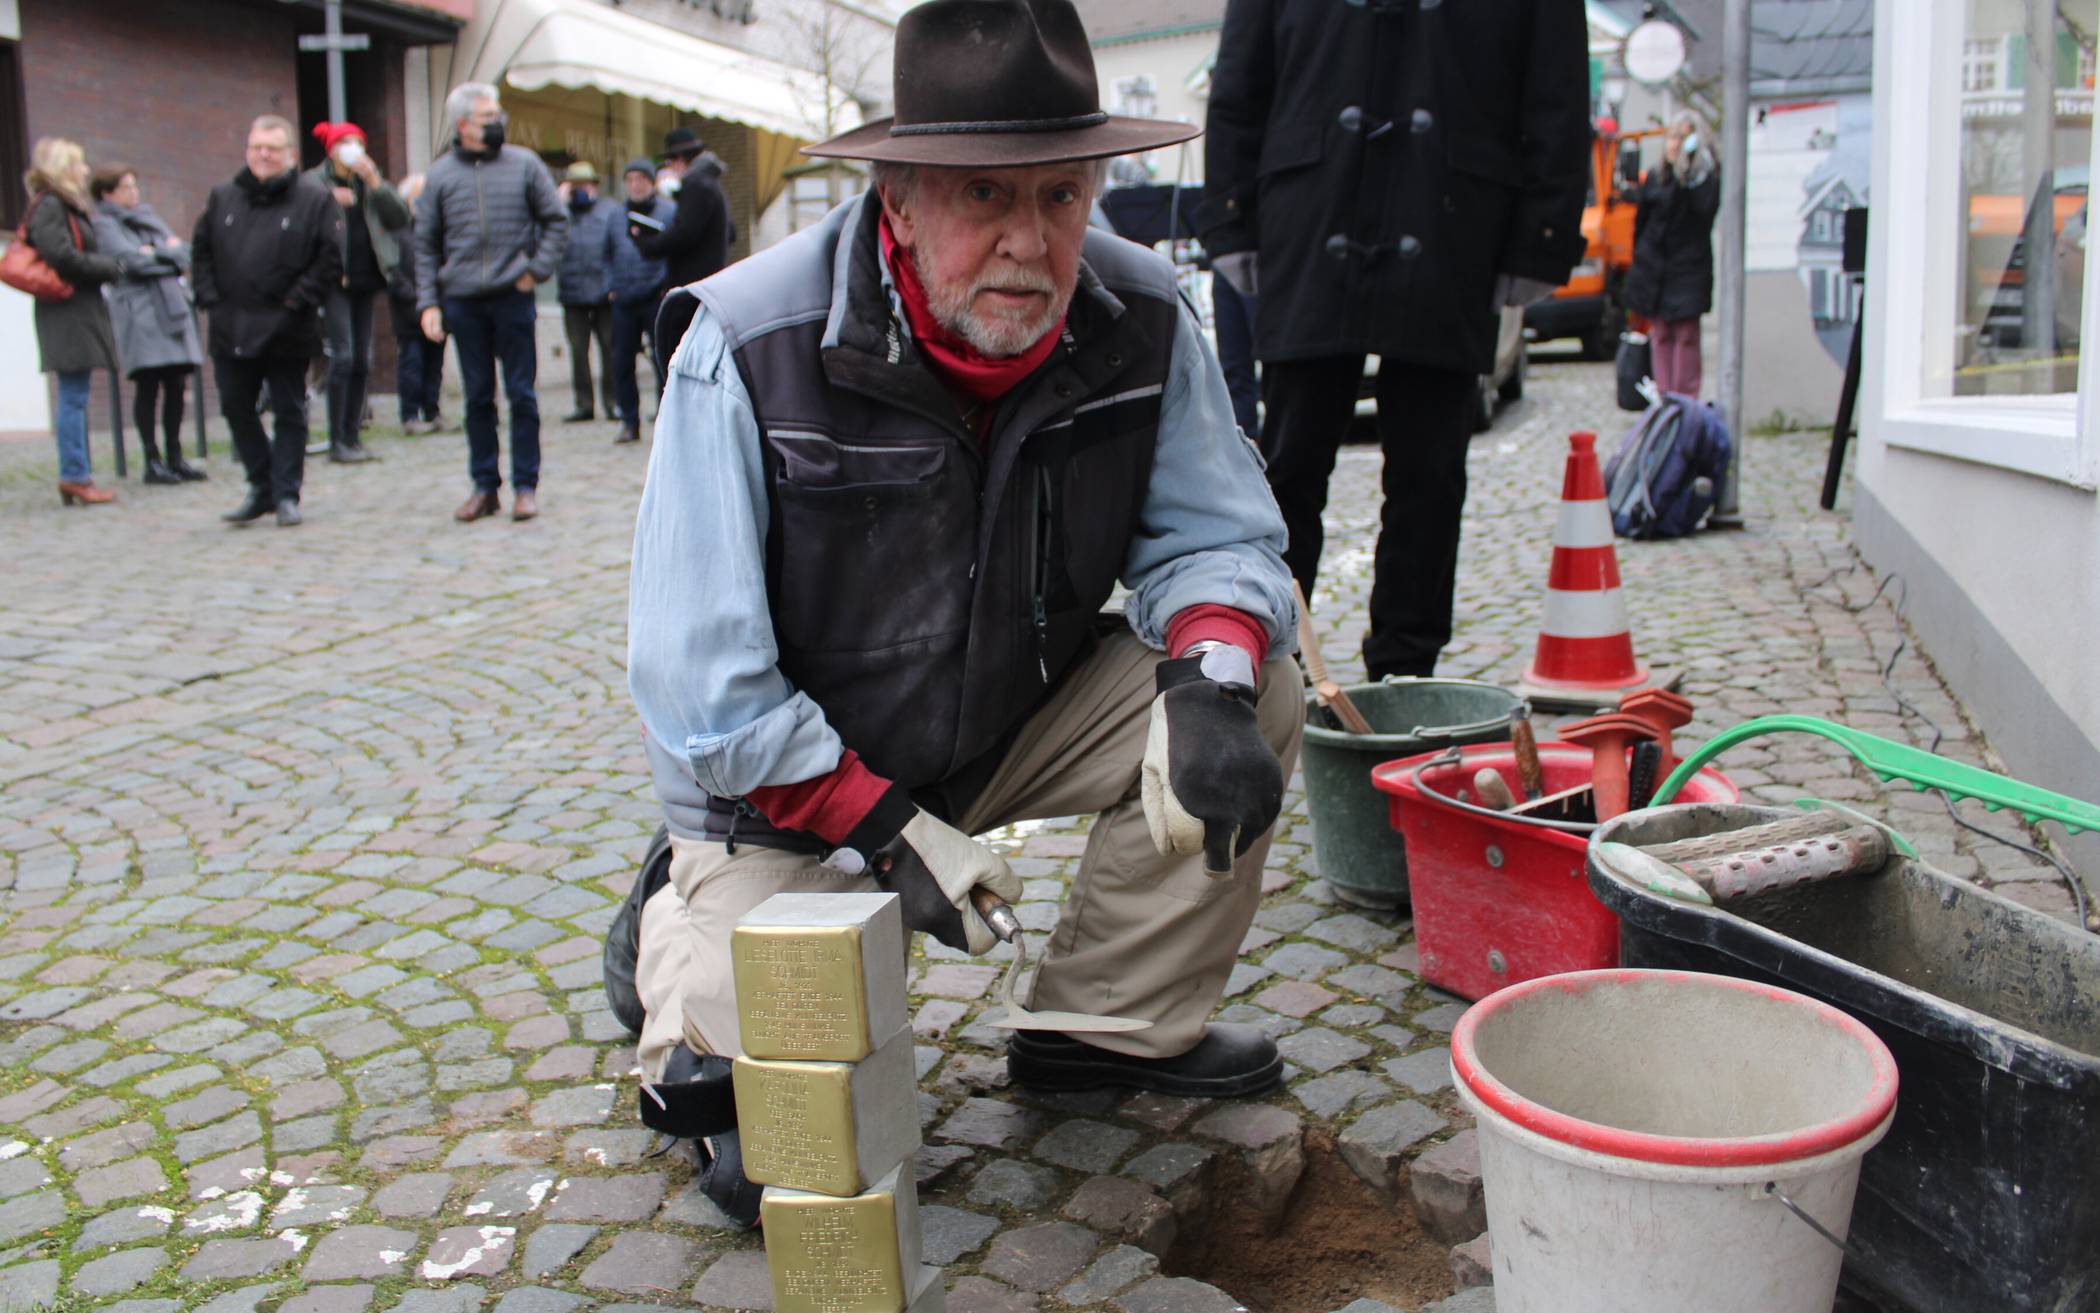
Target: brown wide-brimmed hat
x=997 y=83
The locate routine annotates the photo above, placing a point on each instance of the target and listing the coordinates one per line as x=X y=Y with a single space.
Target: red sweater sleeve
x=1211 y=622
x=829 y=805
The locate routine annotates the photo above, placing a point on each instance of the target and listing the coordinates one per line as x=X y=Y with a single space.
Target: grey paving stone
x=981 y=1295
x=1375 y=1145
x=468 y=1251
x=1441 y=1017
x=1019 y=1185
x=117 y=1273
x=1480 y=1299
x=233 y=1133
x=1351 y=1016
x=549 y=1249
x=122 y=1225
x=358 y=1252
x=1116 y=1270
x=328 y=1299
x=242 y=1300
x=736 y=1280
x=690 y=1207
x=628 y=1198
x=29 y=1285
x=574 y=1107
x=1319 y=1049
x=1425 y=1072
x=1125 y=1210
x=643 y=1262
x=1304 y=961
x=414 y=1194
x=951 y=1232
x=1389 y=987
x=31 y=1213
x=1085 y=1146
x=539 y=1299
x=992 y=1124
x=1041 y=1256
x=225 y=1260
x=1332 y=1095
x=1357 y=934
x=1177 y=1295
x=1168 y=1167
x=315 y=1206
x=461 y=1297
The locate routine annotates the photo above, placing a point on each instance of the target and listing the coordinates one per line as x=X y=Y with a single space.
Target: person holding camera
x=1671 y=283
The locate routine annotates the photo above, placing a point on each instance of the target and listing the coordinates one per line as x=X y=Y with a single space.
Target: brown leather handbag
x=24 y=270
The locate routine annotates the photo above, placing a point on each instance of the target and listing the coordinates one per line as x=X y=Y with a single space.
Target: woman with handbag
x=150 y=307
x=73 y=334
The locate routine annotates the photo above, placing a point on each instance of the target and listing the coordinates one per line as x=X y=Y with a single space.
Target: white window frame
x=1917 y=226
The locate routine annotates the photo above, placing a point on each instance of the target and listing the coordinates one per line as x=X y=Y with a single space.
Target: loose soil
x=1340 y=1240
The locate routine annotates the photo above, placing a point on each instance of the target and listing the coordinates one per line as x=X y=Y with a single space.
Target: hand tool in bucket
x=1730 y=864
x=1325 y=689
x=1012 y=1016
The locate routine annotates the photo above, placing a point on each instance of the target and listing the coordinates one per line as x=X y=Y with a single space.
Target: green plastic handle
x=1894 y=761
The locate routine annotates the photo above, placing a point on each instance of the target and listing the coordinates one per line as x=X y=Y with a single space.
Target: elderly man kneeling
x=904 y=458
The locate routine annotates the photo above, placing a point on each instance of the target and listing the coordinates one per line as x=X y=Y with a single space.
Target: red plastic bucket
x=1496 y=898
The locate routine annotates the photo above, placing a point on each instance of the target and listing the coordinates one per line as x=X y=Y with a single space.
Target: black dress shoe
x=259 y=504
x=288 y=514
x=187 y=472
x=159 y=473
x=629 y=432
x=1229 y=1061
x=350 y=455
x=578 y=417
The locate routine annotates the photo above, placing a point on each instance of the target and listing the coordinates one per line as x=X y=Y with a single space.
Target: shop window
x=2026 y=144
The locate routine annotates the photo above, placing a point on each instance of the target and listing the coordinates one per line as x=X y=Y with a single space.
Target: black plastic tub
x=1986 y=1193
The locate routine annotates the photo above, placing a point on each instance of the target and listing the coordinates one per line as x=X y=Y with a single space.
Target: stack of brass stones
x=826 y=1103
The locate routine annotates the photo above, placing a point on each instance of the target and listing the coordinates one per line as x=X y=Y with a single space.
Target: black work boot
x=259 y=504
x=720 y=1156
x=1228 y=1062
x=623 y=942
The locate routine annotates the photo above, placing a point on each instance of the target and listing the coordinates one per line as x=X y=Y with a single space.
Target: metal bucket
x=1358 y=850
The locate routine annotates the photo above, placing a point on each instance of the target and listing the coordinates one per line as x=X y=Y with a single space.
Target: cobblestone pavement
x=309 y=837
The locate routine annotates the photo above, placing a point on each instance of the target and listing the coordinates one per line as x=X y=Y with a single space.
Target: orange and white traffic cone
x=1585 y=652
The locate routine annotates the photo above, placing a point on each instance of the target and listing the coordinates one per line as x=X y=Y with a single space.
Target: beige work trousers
x=1140 y=936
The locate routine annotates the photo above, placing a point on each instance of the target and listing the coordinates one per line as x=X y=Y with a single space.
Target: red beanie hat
x=331 y=133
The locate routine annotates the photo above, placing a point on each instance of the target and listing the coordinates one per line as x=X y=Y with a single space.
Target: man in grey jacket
x=489 y=228
x=903 y=460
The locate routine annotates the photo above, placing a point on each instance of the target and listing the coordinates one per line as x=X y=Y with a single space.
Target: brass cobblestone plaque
x=831 y=1127
x=854 y=1255
x=819 y=977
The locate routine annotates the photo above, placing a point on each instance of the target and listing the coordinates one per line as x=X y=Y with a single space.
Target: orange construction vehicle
x=1588 y=306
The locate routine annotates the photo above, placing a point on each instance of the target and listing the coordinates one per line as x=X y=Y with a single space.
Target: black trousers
x=585 y=324
x=347 y=323
x=160 y=387
x=1424 y=422
x=280 y=464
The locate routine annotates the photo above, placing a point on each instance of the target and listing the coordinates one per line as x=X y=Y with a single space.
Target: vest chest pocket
x=871 y=544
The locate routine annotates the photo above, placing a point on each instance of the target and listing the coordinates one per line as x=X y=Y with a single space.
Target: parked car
x=1588 y=306
x=1504 y=383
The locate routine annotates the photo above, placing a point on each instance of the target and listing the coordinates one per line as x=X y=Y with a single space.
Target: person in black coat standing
x=1386 y=176
x=268 y=251
x=1671 y=282
x=695 y=244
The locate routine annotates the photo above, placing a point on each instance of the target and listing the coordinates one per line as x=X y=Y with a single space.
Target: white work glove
x=1240 y=268
x=932 y=866
x=1210 y=783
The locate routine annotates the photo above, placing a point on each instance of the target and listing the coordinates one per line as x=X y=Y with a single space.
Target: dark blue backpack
x=1667 y=473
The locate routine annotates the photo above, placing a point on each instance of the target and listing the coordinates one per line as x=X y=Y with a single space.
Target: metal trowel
x=1012 y=1016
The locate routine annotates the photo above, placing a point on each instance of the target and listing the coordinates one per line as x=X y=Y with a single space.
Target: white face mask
x=349 y=153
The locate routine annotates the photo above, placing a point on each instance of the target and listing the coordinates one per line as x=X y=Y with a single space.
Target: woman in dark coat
x=1672 y=279
x=156 y=331
x=73 y=336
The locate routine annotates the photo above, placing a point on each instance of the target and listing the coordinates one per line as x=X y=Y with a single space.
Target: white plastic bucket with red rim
x=1638 y=1130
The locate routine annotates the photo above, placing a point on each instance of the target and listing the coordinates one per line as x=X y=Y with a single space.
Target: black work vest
x=929 y=590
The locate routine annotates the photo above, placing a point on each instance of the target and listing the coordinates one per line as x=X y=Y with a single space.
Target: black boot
x=1228 y=1062
x=719 y=1154
x=582 y=415
x=259 y=504
x=185 y=471
x=629 y=432
x=288 y=514
x=158 y=473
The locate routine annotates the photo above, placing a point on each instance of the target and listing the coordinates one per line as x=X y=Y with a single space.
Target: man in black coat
x=268 y=250
x=1386 y=176
x=695 y=244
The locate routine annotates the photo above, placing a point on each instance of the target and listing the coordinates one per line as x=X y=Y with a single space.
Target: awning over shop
x=532 y=44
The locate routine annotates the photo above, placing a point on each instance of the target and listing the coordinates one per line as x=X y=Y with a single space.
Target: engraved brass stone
x=832 y=1127
x=820 y=977
x=799 y=992
x=850 y=1255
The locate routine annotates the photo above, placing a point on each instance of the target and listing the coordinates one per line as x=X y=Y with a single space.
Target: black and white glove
x=1210 y=782
x=931 y=866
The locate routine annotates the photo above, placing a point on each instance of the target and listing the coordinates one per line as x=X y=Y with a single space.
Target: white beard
x=996 y=335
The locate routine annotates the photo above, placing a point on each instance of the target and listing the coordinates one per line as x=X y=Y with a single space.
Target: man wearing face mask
x=373 y=213
x=489 y=228
x=586 y=315
x=695 y=244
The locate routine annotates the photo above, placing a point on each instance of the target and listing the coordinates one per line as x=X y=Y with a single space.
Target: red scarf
x=961 y=366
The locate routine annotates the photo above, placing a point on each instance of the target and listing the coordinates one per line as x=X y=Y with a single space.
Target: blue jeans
x=71 y=427
x=419 y=363
x=491 y=331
